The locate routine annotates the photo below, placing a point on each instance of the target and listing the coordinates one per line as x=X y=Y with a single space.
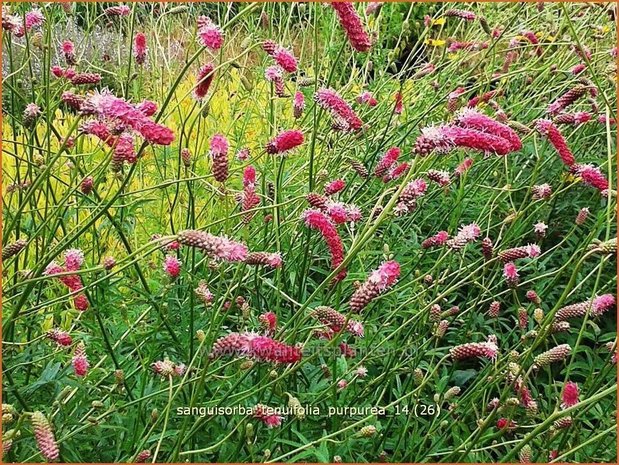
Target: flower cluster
x=351 y=23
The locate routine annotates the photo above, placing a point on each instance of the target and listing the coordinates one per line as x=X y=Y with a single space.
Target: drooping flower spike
x=345 y=118
x=315 y=219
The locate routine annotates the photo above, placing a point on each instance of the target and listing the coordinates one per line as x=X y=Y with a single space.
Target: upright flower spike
x=46 y=442
x=140 y=50
x=399 y=103
x=80 y=360
x=453 y=99
x=172 y=266
x=487 y=248
x=68 y=50
x=285 y=142
x=346 y=119
x=407 y=200
x=219 y=155
x=275 y=75
x=315 y=219
x=31 y=114
x=495 y=308
x=547 y=129
x=351 y=23
x=203 y=293
x=268 y=320
x=541 y=191
x=204 y=80
x=377 y=283
x=463 y=167
x=298 y=105
x=582 y=216
x=209 y=34
x=510 y=272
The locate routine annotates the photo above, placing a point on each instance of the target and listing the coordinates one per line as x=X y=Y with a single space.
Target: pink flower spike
x=267 y=416
x=510 y=272
x=285 y=59
x=73 y=259
x=387 y=161
x=204 y=80
x=351 y=23
x=315 y=219
x=285 y=141
x=172 y=266
x=209 y=34
x=140 y=50
x=473 y=119
x=298 y=105
x=80 y=360
x=569 y=398
x=378 y=282
x=334 y=186
x=602 y=303
x=474 y=350
x=554 y=136
x=269 y=321
x=591 y=175
x=346 y=119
